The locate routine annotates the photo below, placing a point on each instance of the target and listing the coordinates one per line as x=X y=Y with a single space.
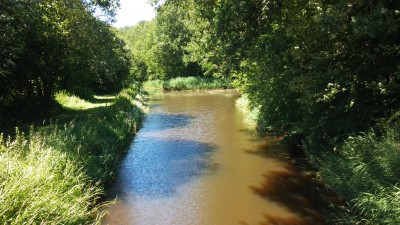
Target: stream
x=195 y=162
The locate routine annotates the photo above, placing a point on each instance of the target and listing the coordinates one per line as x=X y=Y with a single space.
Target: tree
x=159 y=46
x=53 y=45
x=319 y=69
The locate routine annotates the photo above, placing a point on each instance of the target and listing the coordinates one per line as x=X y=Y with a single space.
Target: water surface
x=195 y=162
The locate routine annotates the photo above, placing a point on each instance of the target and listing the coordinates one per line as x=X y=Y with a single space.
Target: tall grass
x=56 y=174
x=40 y=184
x=188 y=83
x=250 y=113
x=153 y=84
x=365 y=171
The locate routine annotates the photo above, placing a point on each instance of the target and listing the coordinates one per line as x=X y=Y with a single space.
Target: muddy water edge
x=195 y=162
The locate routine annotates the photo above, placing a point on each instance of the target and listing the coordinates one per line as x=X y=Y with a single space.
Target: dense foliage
x=48 y=45
x=317 y=71
x=159 y=46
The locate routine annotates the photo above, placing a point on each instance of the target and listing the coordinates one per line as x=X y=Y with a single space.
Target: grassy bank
x=188 y=83
x=56 y=174
x=365 y=172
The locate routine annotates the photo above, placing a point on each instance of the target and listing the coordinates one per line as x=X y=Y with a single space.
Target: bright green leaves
x=159 y=47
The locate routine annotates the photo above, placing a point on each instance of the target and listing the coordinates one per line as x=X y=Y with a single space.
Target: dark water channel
x=195 y=162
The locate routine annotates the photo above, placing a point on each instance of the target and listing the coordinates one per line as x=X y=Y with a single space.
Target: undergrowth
x=365 y=172
x=188 y=83
x=56 y=174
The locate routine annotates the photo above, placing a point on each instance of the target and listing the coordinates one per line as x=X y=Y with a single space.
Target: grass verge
x=188 y=83
x=56 y=174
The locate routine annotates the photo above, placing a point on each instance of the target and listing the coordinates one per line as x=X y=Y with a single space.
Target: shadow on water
x=157 y=168
x=294 y=191
x=160 y=121
x=299 y=192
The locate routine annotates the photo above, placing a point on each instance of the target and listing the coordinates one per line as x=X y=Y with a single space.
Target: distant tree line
x=319 y=70
x=52 y=45
x=159 y=46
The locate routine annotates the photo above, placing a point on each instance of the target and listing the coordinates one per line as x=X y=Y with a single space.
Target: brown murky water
x=195 y=162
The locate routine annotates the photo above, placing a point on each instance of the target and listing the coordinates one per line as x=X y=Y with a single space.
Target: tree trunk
x=48 y=88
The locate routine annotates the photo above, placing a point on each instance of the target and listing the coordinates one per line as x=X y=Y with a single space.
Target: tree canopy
x=52 y=45
x=318 y=69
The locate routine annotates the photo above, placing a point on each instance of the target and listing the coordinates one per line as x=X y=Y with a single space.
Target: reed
x=365 y=171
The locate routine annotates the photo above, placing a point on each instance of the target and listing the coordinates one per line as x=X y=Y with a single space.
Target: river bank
x=56 y=173
x=361 y=172
x=364 y=172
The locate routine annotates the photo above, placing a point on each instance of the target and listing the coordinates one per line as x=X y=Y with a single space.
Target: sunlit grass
x=56 y=174
x=250 y=114
x=189 y=83
x=69 y=101
x=42 y=184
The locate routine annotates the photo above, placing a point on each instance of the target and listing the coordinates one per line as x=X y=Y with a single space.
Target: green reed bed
x=189 y=83
x=57 y=173
x=365 y=172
